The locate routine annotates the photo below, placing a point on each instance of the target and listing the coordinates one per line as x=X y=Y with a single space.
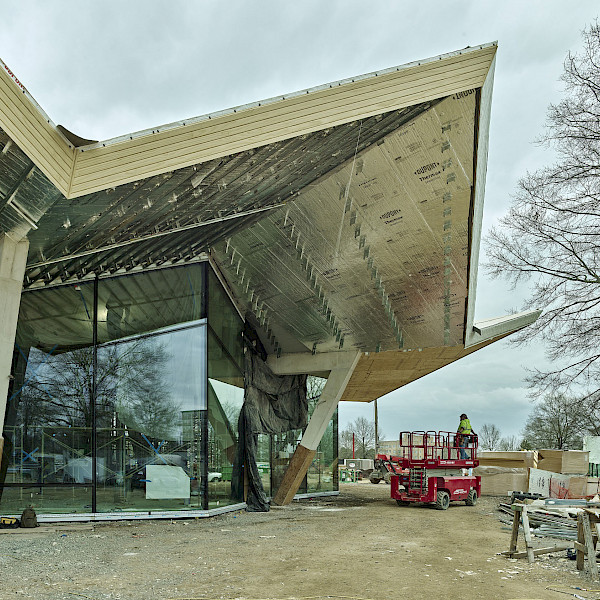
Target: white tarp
x=166 y=481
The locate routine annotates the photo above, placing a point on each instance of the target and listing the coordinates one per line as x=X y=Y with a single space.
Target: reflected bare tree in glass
x=141 y=394
x=131 y=389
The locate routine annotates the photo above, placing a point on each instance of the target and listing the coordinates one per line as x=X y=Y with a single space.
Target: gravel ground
x=359 y=544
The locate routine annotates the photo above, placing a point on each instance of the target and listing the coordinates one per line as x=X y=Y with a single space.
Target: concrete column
x=307 y=448
x=13 y=258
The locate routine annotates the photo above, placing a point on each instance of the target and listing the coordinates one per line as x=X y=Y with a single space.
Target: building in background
x=332 y=232
x=390 y=447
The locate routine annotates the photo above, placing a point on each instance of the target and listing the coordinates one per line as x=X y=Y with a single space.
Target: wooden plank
x=30 y=128
x=536 y=551
x=527 y=533
x=142 y=156
x=193 y=151
x=515 y=531
x=591 y=547
x=362 y=93
x=279 y=116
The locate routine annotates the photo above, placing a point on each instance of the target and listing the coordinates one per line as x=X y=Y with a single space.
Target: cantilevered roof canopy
x=341 y=217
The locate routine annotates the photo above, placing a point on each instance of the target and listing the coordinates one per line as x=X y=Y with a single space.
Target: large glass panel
x=225 y=391
x=283 y=446
x=225 y=399
x=48 y=422
x=321 y=476
x=150 y=415
x=322 y=473
x=225 y=321
x=146 y=302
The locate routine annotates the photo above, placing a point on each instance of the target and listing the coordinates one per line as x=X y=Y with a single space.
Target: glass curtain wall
x=48 y=424
x=125 y=396
x=322 y=475
x=107 y=409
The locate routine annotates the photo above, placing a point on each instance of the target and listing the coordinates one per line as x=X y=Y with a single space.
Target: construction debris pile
x=549 y=517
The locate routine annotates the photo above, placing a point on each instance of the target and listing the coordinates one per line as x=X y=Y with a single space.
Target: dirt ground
x=357 y=545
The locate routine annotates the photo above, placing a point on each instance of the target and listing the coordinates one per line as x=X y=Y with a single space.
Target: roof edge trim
x=286 y=96
x=488 y=329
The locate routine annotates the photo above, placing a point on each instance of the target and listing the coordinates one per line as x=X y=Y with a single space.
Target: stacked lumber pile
x=518 y=459
x=551 y=473
x=573 y=462
x=503 y=472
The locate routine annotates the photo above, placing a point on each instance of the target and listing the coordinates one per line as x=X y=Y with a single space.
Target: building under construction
x=165 y=294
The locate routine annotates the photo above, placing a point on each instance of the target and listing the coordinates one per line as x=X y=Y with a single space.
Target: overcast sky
x=108 y=68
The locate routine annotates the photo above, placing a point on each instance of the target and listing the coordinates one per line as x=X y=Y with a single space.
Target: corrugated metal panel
x=101 y=167
x=35 y=134
x=205 y=193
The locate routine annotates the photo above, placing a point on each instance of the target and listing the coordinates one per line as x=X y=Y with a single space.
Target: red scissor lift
x=425 y=452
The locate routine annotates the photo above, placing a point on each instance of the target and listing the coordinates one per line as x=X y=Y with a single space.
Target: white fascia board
x=484 y=330
x=478 y=198
x=488 y=329
x=76 y=172
x=348 y=81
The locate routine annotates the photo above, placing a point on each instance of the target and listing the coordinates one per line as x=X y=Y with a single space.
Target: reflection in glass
x=146 y=302
x=151 y=417
x=225 y=323
x=48 y=416
x=225 y=399
x=169 y=390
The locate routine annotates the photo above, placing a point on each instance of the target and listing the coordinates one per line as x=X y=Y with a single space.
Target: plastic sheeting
x=272 y=404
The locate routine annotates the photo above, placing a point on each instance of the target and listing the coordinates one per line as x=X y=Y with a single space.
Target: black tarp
x=272 y=404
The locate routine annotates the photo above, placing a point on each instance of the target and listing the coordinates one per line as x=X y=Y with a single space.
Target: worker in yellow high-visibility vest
x=464 y=433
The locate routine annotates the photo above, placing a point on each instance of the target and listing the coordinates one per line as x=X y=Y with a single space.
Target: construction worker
x=464 y=433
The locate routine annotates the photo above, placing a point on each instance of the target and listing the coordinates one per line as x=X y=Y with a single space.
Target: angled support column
x=13 y=258
x=306 y=450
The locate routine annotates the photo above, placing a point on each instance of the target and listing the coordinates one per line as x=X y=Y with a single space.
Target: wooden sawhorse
x=520 y=516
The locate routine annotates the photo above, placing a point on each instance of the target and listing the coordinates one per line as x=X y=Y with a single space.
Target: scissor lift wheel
x=443 y=500
x=471 y=498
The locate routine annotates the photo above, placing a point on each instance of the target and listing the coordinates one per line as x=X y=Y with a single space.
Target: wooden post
x=527 y=532
x=515 y=531
x=307 y=448
x=580 y=544
x=589 y=544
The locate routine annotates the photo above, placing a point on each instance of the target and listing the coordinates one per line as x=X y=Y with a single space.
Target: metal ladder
x=417 y=479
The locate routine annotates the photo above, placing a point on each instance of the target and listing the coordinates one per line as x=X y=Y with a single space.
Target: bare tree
x=551 y=234
x=508 y=443
x=556 y=421
x=489 y=437
x=363 y=432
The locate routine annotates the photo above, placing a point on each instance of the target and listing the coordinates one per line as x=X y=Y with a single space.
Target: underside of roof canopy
x=343 y=217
